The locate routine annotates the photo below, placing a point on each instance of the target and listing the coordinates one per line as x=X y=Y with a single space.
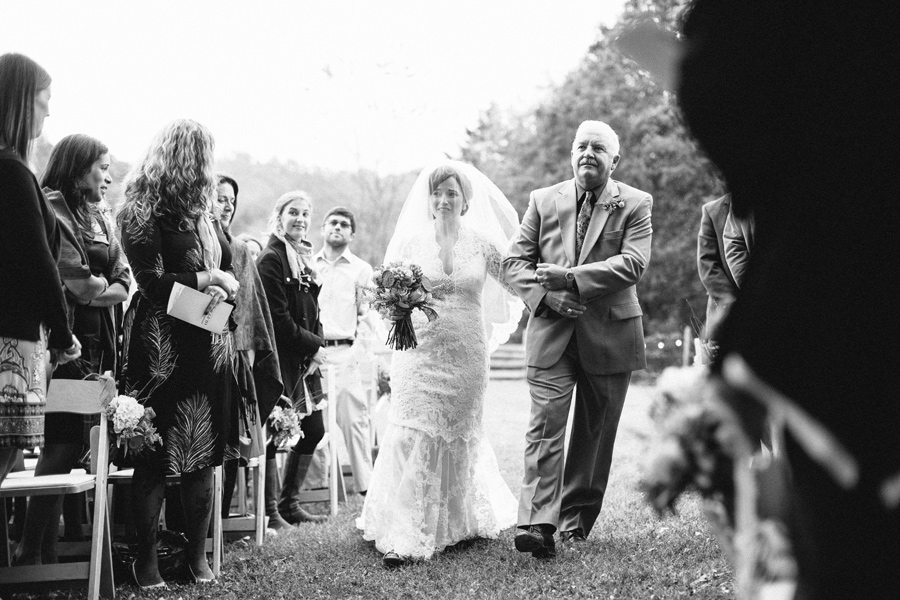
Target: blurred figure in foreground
x=794 y=103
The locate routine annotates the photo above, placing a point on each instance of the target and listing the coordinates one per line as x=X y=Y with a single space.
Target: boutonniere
x=610 y=206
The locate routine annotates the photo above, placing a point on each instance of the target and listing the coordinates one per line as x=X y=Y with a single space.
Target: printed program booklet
x=189 y=305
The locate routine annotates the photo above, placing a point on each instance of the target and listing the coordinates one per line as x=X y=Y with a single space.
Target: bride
x=436 y=480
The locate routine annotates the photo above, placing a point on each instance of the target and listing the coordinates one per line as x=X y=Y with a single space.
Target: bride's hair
x=445 y=172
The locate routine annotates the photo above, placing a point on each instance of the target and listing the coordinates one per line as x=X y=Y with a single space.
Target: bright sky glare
x=381 y=84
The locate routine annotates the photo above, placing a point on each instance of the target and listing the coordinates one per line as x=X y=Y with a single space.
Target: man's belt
x=338 y=342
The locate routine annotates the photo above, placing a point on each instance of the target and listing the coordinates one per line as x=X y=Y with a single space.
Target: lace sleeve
x=494 y=260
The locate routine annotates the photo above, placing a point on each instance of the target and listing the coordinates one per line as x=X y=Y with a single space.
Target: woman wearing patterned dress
x=436 y=481
x=33 y=325
x=185 y=373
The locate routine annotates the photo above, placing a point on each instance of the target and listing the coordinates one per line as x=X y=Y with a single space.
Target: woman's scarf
x=212 y=251
x=299 y=255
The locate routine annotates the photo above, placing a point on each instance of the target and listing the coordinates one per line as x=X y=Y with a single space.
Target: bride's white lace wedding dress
x=436 y=481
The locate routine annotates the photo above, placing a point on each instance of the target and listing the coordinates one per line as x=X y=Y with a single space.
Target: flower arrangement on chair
x=132 y=424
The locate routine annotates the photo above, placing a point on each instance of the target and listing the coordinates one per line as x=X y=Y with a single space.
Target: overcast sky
x=384 y=84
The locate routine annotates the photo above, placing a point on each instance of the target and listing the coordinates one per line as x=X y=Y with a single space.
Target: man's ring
x=568 y=311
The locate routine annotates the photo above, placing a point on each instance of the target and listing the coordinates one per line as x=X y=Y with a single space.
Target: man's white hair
x=603 y=129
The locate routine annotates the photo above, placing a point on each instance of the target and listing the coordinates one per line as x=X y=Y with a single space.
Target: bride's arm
x=494 y=260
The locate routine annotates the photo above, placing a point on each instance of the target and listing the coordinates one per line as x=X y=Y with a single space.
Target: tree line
x=524 y=150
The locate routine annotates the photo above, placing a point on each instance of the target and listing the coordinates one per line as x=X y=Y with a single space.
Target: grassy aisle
x=630 y=554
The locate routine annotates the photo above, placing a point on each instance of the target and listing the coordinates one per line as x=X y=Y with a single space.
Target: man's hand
x=565 y=303
x=551 y=277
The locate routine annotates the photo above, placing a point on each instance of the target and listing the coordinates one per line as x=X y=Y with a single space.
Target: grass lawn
x=630 y=553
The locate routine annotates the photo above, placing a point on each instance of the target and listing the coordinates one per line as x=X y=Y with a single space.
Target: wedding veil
x=490 y=216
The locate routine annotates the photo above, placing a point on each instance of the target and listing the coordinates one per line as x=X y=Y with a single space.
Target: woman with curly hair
x=96 y=278
x=185 y=373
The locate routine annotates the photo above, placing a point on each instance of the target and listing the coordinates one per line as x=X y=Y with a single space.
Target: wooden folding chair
x=98 y=571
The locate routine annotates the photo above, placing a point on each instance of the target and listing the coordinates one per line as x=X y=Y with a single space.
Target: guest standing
x=343 y=275
x=96 y=279
x=185 y=373
x=715 y=275
x=34 y=331
x=260 y=374
x=292 y=293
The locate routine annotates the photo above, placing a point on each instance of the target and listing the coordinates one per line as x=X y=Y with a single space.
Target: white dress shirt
x=340 y=296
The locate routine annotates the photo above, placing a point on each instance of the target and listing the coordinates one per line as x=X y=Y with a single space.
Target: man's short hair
x=608 y=131
x=343 y=212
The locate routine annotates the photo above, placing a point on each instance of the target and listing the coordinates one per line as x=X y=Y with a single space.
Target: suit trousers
x=352 y=415
x=566 y=492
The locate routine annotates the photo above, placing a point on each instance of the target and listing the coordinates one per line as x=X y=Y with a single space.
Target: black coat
x=294 y=306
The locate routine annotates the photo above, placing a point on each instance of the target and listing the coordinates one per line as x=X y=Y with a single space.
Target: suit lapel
x=565 y=213
x=598 y=219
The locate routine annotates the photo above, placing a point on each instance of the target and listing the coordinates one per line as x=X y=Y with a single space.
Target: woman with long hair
x=292 y=293
x=75 y=181
x=254 y=337
x=185 y=373
x=34 y=331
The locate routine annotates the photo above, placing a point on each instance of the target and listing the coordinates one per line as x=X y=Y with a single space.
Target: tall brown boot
x=271 y=494
x=294 y=473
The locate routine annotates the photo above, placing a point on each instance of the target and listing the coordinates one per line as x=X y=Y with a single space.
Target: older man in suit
x=715 y=273
x=582 y=247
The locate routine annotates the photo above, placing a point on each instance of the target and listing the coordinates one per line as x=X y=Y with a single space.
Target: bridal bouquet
x=132 y=424
x=285 y=423
x=399 y=288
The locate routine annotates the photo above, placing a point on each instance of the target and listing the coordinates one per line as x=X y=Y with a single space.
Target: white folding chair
x=98 y=571
x=255 y=524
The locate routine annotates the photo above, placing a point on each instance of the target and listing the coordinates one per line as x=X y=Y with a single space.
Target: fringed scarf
x=212 y=251
x=299 y=255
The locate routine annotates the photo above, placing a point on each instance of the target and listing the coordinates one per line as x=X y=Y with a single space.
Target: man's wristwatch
x=570 y=279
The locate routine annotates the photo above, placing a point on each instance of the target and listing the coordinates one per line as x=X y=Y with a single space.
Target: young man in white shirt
x=341 y=275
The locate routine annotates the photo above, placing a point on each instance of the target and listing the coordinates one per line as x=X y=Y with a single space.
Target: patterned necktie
x=584 y=219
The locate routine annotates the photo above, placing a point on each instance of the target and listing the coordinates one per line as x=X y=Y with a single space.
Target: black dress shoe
x=392 y=560
x=537 y=541
x=572 y=535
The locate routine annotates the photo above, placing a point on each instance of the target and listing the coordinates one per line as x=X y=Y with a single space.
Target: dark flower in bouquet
x=132 y=424
x=383 y=382
x=399 y=288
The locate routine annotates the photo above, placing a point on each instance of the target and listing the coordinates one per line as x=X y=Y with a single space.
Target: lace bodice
x=439 y=387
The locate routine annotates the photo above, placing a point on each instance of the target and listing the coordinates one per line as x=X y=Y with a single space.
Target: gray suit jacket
x=711 y=264
x=738 y=236
x=614 y=254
